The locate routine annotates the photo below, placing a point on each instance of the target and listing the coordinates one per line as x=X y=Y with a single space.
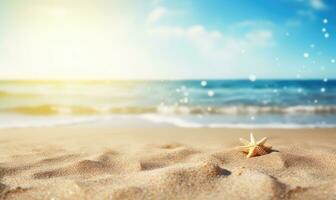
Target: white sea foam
x=171 y=120
x=144 y=120
x=14 y=121
x=185 y=123
x=247 y=109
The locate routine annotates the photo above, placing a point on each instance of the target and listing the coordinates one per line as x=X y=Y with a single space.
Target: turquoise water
x=192 y=103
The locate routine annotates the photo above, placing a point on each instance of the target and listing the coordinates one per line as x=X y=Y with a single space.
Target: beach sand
x=101 y=162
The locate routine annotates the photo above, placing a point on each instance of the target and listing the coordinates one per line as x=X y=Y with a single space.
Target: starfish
x=253 y=148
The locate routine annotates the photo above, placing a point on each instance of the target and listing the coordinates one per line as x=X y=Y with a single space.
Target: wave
x=248 y=110
x=144 y=120
x=4 y=94
x=38 y=122
x=50 y=109
x=185 y=123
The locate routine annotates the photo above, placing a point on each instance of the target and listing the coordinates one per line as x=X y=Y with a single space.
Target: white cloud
x=317 y=4
x=309 y=11
x=215 y=44
x=262 y=38
x=197 y=34
x=193 y=47
x=156 y=14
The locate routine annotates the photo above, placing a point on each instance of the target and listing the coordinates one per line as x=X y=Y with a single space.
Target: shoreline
x=144 y=121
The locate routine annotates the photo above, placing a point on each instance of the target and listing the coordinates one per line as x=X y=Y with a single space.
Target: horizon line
x=186 y=79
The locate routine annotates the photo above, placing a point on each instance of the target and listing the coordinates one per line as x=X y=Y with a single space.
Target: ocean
x=184 y=103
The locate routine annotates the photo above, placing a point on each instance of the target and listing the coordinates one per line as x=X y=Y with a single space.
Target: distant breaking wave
x=50 y=109
x=4 y=94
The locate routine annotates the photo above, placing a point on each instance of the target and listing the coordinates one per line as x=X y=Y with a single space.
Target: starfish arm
x=252 y=138
x=244 y=141
x=267 y=148
x=252 y=152
x=260 y=151
x=262 y=141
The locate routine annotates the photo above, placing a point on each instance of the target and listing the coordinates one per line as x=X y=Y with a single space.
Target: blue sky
x=167 y=39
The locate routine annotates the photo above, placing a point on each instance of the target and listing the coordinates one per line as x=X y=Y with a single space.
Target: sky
x=167 y=39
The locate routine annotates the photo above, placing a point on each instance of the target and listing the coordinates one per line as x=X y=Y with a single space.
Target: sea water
x=185 y=103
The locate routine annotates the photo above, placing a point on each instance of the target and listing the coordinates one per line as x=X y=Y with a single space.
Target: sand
x=101 y=162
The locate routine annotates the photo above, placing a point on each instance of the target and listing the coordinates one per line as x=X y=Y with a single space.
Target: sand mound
x=256 y=185
x=166 y=158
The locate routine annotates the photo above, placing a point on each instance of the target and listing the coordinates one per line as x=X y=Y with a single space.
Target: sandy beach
x=101 y=162
x=167 y=100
